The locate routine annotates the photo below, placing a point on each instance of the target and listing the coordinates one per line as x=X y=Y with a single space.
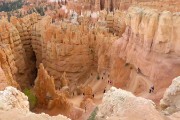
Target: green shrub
x=31 y=98
x=93 y=114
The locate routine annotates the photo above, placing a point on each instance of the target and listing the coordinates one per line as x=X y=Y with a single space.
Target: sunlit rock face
x=170 y=102
x=69 y=48
x=150 y=44
x=24 y=27
x=12 y=98
x=124 y=105
x=45 y=87
x=14 y=105
x=8 y=68
x=133 y=47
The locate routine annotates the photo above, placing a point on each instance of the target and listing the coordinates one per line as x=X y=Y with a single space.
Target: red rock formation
x=151 y=47
x=46 y=93
x=10 y=35
x=24 y=26
x=8 y=68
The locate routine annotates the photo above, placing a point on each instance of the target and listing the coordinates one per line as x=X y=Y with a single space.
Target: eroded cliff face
x=45 y=87
x=65 y=47
x=150 y=44
x=11 y=36
x=8 y=68
x=143 y=56
x=24 y=27
x=111 y=5
x=134 y=50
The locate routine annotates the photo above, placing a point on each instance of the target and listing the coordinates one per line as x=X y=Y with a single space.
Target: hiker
x=138 y=70
x=102 y=78
x=109 y=82
x=104 y=90
x=150 y=90
x=93 y=95
x=83 y=93
x=85 y=108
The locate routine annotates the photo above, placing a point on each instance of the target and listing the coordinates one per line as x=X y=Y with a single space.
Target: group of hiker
x=151 y=90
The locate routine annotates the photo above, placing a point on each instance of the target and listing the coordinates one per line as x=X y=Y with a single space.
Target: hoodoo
x=89 y=59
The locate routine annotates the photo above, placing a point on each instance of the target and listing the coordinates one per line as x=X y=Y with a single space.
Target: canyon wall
x=64 y=47
x=152 y=39
x=13 y=53
x=24 y=27
x=143 y=56
x=8 y=68
x=111 y=5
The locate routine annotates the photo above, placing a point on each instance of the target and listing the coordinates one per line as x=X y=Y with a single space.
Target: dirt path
x=139 y=80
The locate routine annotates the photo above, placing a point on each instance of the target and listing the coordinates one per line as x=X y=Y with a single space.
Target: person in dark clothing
x=138 y=70
x=93 y=95
x=83 y=93
x=104 y=90
x=85 y=108
x=150 y=90
x=153 y=88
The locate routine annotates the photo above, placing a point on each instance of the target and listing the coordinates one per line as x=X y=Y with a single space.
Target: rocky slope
x=15 y=103
x=170 y=102
x=120 y=104
x=150 y=44
x=11 y=98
